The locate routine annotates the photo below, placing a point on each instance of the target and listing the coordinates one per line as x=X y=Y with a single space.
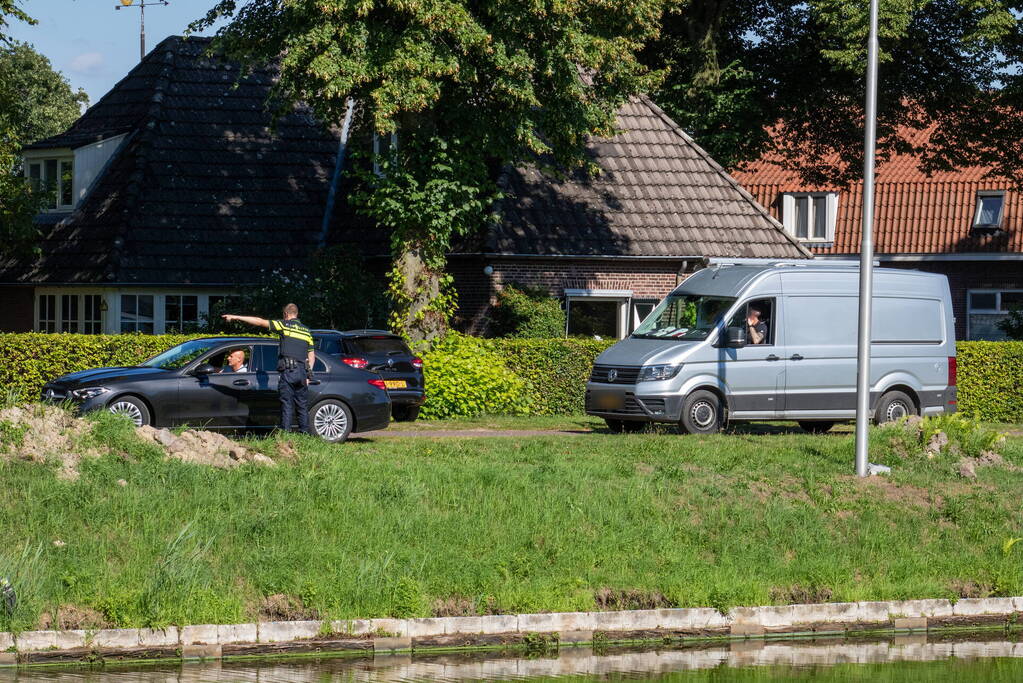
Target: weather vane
x=142 y=5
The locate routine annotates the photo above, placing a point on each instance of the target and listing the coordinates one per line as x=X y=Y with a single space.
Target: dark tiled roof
x=203 y=192
x=658 y=195
x=916 y=213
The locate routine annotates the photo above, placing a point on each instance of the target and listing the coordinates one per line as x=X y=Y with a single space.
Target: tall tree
x=472 y=84
x=35 y=102
x=740 y=67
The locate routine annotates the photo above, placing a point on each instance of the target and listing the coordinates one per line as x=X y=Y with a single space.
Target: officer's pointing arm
x=247 y=319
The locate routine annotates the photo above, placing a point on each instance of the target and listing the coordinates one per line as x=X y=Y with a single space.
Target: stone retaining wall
x=389 y=635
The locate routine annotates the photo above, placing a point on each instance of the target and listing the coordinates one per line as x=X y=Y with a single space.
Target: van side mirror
x=203 y=369
x=735 y=337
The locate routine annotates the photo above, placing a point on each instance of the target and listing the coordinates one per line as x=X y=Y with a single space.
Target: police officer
x=295 y=360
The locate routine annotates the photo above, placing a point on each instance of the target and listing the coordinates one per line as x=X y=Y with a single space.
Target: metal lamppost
x=866 y=253
x=142 y=16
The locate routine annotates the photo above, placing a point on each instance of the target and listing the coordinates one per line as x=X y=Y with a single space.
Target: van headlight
x=655 y=373
x=90 y=392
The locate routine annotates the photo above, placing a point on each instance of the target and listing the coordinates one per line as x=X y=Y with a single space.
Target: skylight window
x=989 y=210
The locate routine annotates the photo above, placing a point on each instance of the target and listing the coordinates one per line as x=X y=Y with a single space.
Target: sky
x=95 y=45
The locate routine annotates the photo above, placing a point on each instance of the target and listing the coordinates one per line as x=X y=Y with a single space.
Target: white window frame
x=56 y=320
x=623 y=297
x=377 y=152
x=198 y=311
x=1001 y=209
x=59 y=159
x=788 y=215
x=997 y=310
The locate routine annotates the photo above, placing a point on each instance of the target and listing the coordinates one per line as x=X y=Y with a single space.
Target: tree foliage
x=35 y=102
x=9 y=9
x=738 y=67
x=472 y=85
x=337 y=292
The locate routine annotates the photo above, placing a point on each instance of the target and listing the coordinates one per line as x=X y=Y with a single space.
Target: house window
x=989 y=210
x=137 y=313
x=597 y=313
x=641 y=308
x=181 y=313
x=47 y=313
x=69 y=313
x=55 y=176
x=92 y=320
x=810 y=216
x=986 y=308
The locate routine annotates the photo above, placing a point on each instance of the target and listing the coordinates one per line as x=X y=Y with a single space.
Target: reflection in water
x=913 y=658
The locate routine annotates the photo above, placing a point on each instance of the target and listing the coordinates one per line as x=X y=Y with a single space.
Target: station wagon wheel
x=133 y=408
x=331 y=420
x=894 y=405
x=702 y=413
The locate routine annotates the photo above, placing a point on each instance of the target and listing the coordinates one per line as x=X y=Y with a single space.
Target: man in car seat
x=235 y=362
x=756 y=329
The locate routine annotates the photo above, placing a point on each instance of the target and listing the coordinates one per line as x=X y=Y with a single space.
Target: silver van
x=778 y=342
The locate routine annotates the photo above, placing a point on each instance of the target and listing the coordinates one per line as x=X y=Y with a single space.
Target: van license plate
x=608 y=401
x=395 y=383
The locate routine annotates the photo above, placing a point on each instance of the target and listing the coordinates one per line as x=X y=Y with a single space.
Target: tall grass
x=382 y=527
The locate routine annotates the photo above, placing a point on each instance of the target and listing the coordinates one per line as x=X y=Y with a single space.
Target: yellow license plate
x=395 y=383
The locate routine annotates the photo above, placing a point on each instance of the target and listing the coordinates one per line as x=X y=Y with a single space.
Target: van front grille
x=614 y=374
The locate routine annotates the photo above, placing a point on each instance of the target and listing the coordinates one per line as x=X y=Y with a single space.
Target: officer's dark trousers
x=294 y=399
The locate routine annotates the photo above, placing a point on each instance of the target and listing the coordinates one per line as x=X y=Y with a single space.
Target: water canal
x=961 y=658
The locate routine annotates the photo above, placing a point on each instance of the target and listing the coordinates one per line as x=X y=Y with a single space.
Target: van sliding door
x=820 y=374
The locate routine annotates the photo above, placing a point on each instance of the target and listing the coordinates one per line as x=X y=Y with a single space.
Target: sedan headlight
x=90 y=392
x=654 y=373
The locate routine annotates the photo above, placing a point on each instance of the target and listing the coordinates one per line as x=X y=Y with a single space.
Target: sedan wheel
x=332 y=421
x=134 y=409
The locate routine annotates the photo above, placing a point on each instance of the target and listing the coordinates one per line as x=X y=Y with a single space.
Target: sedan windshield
x=181 y=355
x=686 y=317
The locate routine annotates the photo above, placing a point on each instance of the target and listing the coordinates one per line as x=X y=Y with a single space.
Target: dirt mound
x=73 y=617
x=281 y=607
x=40 y=433
x=45 y=433
x=612 y=599
x=202 y=447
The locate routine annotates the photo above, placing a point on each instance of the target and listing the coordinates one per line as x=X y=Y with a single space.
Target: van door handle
x=773 y=357
x=241 y=382
x=796 y=356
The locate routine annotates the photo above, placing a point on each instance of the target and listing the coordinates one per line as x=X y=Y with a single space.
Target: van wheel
x=702 y=413
x=893 y=406
x=815 y=427
x=615 y=426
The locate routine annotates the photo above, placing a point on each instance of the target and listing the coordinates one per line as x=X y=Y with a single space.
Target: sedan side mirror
x=204 y=369
x=735 y=337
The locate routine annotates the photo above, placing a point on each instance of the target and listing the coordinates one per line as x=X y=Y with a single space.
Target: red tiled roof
x=914 y=213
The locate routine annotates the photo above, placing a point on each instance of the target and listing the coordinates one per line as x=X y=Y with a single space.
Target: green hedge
x=991 y=380
x=541 y=376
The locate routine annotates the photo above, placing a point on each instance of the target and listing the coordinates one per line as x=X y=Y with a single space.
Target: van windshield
x=686 y=317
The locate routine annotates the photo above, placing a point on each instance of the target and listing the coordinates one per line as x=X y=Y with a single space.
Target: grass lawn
x=414 y=527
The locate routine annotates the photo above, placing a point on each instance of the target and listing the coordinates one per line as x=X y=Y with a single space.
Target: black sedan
x=206 y=383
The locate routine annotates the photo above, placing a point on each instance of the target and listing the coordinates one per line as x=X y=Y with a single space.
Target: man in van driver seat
x=756 y=329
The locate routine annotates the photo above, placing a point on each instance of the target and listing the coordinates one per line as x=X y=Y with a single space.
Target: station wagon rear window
x=685 y=317
x=378 y=345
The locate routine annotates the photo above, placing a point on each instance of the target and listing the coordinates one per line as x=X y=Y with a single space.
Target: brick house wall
x=477 y=291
